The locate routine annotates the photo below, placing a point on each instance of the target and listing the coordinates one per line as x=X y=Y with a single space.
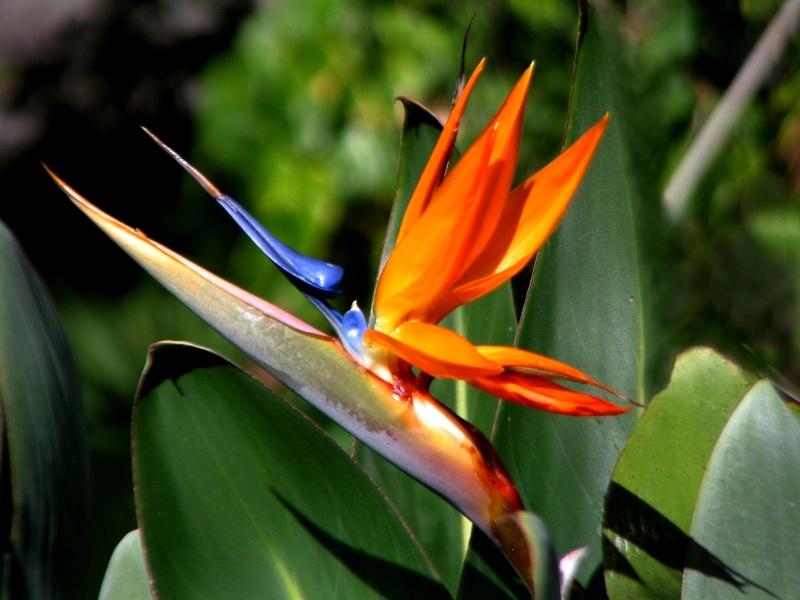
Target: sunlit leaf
x=747 y=521
x=126 y=576
x=651 y=502
x=240 y=495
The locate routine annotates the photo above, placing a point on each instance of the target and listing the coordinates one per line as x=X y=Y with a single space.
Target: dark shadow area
x=639 y=523
x=79 y=79
x=386 y=578
x=175 y=360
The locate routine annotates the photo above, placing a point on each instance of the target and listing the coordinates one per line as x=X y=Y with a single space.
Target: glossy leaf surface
x=44 y=441
x=651 y=503
x=591 y=306
x=240 y=495
x=747 y=521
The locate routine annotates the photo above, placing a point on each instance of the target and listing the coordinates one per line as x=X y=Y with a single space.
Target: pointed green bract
x=126 y=577
x=591 y=306
x=239 y=495
x=487 y=576
x=45 y=439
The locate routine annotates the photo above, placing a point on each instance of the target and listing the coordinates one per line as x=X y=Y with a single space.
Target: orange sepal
x=543 y=394
x=434 y=170
x=458 y=224
x=508 y=124
x=422 y=268
x=528 y=363
x=540 y=202
x=437 y=351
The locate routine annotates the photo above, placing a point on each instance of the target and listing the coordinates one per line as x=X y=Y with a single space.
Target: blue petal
x=314 y=277
x=349 y=327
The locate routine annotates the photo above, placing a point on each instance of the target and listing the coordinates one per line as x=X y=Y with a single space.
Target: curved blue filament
x=312 y=276
x=349 y=327
x=316 y=279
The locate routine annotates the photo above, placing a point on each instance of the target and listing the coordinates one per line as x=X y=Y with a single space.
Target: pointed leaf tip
x=208 y=295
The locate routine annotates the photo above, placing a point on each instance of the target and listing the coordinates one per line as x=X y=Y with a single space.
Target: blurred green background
x=288 y=107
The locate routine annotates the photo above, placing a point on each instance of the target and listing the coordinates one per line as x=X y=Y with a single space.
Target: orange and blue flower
x=465 y=232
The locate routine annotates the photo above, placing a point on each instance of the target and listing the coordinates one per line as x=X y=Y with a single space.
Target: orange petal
x=508 y=121
x=425 y=264
x=435 y=350
x=527 y=363
x=434 y=170
x=545 y=395
x=459 y=221
x=541 y=201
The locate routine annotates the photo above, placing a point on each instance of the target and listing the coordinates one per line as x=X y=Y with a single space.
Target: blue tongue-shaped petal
x=313 y=277
x=349 y=327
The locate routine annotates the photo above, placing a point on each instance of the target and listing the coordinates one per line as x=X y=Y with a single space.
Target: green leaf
x=44 y=499
x=126 y=576
x=591 y=305
x=240 y=495
x=747 y=521
x=651 y=502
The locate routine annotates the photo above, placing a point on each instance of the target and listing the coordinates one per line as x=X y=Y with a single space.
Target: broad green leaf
x=240 y=495
x=651 y=502
x=126 y=576
x=590 y=305
x=747 y=521
x=44 y=448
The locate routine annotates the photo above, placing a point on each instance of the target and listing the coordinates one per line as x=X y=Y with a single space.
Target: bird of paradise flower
x=464 y=233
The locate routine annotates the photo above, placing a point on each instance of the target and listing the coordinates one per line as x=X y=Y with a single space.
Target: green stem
x=716 y=130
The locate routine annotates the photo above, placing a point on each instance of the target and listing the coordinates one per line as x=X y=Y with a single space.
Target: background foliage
x=288 y=107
